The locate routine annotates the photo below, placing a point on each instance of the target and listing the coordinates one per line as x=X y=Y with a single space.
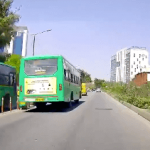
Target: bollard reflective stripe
x=2 y=107
x=10 y=104
x=17 y=104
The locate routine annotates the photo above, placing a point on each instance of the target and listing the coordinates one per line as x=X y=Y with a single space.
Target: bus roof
x=7 y=65
x=43 y=56
x=48 y=56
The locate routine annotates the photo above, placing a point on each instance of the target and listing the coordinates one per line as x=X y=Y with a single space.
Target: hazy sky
x=86 y=32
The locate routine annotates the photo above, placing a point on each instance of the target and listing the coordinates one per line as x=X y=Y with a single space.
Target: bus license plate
x=39 y=99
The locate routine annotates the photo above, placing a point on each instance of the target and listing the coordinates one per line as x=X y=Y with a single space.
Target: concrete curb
x=145 y=113
x=142 y=112
x=15 y=111
x=10 y=112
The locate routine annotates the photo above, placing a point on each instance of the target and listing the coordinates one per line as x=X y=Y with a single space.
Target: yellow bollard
x=10 y=104
x=2 y=106
x=17 y=104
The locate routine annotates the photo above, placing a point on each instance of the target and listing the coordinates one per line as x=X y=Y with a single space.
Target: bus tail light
x=21 y=88
x=60 y=87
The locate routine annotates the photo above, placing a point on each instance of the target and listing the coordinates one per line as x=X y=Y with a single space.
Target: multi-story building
x=128 y=62
x=113 y=68
x=18 y=44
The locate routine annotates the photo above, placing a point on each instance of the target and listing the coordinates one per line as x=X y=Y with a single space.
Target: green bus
x=48 y=79
x=8 y=88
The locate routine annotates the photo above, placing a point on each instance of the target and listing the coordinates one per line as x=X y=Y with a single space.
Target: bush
x=137 y=96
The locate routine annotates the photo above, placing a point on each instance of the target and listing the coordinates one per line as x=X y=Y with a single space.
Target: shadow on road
x=56 y=109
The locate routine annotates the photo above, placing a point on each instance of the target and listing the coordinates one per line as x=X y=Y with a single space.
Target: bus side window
x=71 y=77
x=14 y=78
x=65 y=74
x=11 y=79
x=74 y=79
x=77 y=80
x=80 y=81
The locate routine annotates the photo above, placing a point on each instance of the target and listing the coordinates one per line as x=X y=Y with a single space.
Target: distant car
x=98 y=90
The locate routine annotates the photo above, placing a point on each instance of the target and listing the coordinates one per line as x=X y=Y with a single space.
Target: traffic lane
x=108 y=125
x=37 y=130
x=10 y=117
x=99 y=123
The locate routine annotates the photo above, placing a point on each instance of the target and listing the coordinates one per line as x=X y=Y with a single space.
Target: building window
x=134 y=55
x=145 y=56
x=134 y=62
x=141 y=70
x=131 y=73
x=137 y=59
x=144 y=66
x=137 y=67
x=131 y=66
x=142 y=58
x=139 y=62
x=135 y=70
x=139 y=55
x=18 y=33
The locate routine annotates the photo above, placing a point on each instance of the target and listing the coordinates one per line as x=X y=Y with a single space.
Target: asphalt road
x=97 y=123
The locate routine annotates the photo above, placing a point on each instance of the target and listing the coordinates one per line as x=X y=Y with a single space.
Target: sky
x=86 y=32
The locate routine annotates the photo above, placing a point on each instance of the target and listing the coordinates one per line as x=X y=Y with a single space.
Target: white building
x=18 y=44
x=128 y=62
x=121 y=68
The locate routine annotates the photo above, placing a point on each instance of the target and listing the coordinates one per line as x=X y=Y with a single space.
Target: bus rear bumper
x=42 y=99
x=84 y=94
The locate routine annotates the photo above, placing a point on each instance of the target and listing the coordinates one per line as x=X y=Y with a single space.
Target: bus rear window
x=40 y=66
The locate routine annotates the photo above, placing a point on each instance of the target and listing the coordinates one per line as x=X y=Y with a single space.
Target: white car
x=98 y=90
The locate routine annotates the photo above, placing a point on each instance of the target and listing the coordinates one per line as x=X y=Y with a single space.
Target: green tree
x=85 y=77
x=7 y=21
x=4 y=57
x=14 y=60
x=99 y=83
x=88 y=78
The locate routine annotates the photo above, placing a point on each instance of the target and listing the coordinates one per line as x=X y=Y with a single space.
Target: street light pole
x=34 y=38
x=33 y=44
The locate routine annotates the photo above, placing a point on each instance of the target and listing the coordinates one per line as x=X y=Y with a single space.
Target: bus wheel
x=80 y=96
x=6 y=102
x=27 y=106
x=40 y=105
x=76 y=101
